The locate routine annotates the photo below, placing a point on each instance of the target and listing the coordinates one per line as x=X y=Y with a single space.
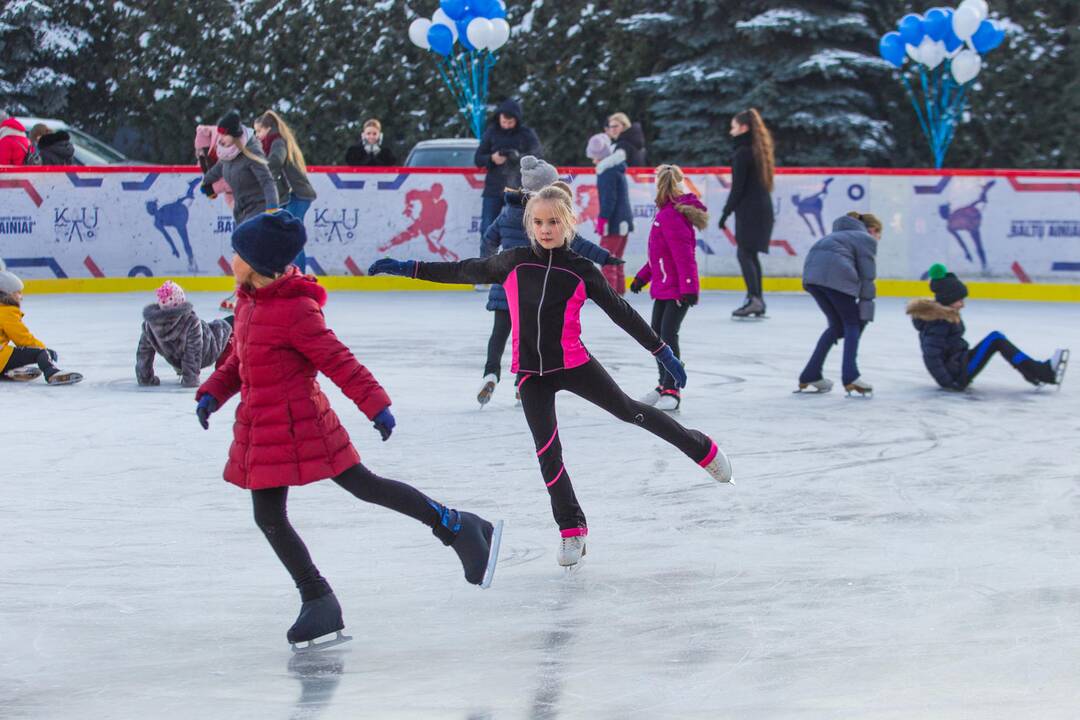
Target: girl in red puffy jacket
x=546 y=286
x=285 y=432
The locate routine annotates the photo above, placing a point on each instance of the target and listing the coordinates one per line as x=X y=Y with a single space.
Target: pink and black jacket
x=545 y=291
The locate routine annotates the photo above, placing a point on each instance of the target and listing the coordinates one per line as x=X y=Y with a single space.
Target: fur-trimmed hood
x=930 y=310
x=10 y=300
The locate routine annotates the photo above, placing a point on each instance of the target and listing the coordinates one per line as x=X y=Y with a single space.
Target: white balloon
x=914 y=52
x=480 y=32
x=500 y=33
x=965 y=21
x=931 y=52
x=966 y=65
x=418 y=32
x=982 y=9
x=441 y=18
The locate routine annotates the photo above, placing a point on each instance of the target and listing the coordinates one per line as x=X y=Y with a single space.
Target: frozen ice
x=913 y=555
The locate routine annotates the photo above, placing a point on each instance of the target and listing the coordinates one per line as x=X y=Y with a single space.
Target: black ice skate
x=317 y=618
x=474 y=539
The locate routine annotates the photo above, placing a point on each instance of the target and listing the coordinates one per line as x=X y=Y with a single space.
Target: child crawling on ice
x=947 y=355
x=172 y=329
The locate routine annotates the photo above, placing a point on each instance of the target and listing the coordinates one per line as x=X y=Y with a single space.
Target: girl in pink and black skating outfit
x=671 y=272
x=546 y=286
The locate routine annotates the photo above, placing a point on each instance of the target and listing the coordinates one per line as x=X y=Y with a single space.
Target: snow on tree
x=33 y=41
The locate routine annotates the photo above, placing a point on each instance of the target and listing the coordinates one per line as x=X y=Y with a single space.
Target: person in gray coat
x=243 y=166
x=173 y=330
x=839 y=274
x=288 y=167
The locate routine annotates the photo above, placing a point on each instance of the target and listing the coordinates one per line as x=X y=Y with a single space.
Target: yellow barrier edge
x=1033 y=292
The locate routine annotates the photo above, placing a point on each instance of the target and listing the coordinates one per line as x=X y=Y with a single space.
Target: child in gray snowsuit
x=172 y=329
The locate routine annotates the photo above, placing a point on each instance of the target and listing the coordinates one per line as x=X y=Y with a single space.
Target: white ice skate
x=652 y=397
x=817 y=387
x=860 y=387
x=668 y=403
x=23 y=374
x=487 y=389
x=720 y=468
x=571 y=551
x=1059 y=363
x=64 y=378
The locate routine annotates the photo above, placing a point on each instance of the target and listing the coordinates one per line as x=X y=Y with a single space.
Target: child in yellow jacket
x=18 y=347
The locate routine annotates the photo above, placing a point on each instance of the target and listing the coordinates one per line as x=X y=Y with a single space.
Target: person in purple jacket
x=671 y=271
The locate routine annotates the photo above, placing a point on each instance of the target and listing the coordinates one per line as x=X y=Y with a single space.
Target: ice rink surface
x=910 y=556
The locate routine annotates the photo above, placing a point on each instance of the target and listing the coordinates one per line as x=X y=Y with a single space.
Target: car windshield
x=91 y=147
x=457 y=157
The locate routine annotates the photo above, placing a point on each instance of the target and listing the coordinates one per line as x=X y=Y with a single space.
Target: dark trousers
x=667 y=318
x=272 y=518
x=750 y=263
x=22 y=356
x=500 y=331
x=978 y=356
x=842 y=313
x=489 y=210
x=591 y=382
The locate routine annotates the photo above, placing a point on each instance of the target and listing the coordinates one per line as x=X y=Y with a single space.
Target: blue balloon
x=463 y=33
x=486 y=8
x=454 y=9
x=498 y=12
x=891 y=48
x=935 y=23
x=987 y=37
x=911 y=29
x=952 y=43
x=441 y=39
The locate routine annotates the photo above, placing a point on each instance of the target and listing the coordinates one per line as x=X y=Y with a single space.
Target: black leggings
x=591 y=382
x=667 y=318
x=272 y=518
x=978 y=356
x=750 y=262
x=500 y=331
x=22 y=356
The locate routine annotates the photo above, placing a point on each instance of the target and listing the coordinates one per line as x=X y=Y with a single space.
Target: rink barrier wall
x=114 y=229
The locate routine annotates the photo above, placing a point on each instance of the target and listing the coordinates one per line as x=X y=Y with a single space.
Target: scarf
x=230 y=152
x=268 y=141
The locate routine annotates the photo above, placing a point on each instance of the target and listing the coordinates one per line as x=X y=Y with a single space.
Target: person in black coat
x=506 y=140
x=56 y=149
x=372 y=150
x=749 y=200
x=627 y=137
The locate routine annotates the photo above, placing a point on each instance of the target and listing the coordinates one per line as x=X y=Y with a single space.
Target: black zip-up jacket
x=545 y=290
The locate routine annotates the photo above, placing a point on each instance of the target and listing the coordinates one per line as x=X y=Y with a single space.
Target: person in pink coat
x=671 y=272
x=206 y=154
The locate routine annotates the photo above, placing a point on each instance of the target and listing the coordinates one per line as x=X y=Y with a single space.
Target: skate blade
x=65 y=378
x=23 y=375
x=314 y=647
x=493 y=556
x=858 y=392
x=1059 y=375
x=810 y=390
x=484 y=396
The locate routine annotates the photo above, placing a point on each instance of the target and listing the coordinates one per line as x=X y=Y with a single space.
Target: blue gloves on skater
x=384 y=423
x=673 y=365
x=386 y=266
x=208 y=405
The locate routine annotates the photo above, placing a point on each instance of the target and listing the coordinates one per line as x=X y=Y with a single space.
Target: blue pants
x=298 y=207
x=489 y=211
x=842 y=313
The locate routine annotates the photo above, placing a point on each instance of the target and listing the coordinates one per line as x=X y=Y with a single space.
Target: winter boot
x=61 y=377
x=670 y=399
x=487 y=389
x=652 y=397
x=860 y=386
x=754 y=307
x=317 y=618
x=717 y=464
x=816 y=387
x=474 y=539
x=572 y=547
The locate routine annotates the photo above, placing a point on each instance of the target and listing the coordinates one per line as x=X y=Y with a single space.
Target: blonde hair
x=762 y=144
x=293 y=154
x=669 y=180
x=39 y=131
x=622 y=119
x=562 y=205
x=871 y=221
x=372 y=123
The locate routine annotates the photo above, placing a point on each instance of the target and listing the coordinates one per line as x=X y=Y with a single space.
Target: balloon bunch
x=479 y=28
x=946 y=47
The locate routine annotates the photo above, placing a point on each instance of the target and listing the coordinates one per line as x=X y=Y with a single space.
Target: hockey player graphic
x=431 y=221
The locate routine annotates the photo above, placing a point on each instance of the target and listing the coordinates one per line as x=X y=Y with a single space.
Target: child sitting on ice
x=19 y=349
x=947 y=355
x=172 y=329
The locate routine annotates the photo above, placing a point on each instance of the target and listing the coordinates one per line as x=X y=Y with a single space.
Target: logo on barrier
x=588 y=200
x=968 y=219
x=1039 y=229
x=336 y=225
x=811 y=207
x=16 y=225
x=224 y=225
x=427 y=209
x=175 y=215
x=75 y=223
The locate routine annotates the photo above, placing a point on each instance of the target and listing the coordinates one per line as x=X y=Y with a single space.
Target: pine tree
x=34 y=40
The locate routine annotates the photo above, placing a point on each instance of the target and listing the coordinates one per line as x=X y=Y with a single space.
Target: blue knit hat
x=269 y=242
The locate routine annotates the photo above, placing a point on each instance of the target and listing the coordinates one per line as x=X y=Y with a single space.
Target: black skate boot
x=1037 y=373
x=318 y=617
x=474 y=539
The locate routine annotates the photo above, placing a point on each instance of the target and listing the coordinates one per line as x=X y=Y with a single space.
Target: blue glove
x=386 y=266
x=385 y=422
x=208 y=405
x=673 y=365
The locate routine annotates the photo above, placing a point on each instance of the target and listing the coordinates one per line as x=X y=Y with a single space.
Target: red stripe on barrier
x=92 y=267
x=352 y=266
x=1042 y=187
x=783 y=245
x=224 y=265
x=25 y=185
x=1019 y=272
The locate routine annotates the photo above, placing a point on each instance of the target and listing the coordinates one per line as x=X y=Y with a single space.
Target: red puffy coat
x=285 y=431
x=13 y=142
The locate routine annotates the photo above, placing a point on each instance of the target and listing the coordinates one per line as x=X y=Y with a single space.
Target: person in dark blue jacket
x=505 y=142
x=951 y=362
x=508 y=232
x=616 y=220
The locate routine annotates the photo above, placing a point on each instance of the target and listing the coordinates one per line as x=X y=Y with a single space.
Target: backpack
x=32 y=157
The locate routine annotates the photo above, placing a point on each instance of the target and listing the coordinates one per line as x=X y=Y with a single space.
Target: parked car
x=444 y=152
x=88 y=149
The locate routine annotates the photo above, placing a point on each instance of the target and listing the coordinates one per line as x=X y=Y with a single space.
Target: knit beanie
x=170 y=295
x=229 y=124
x=536 y=174
x=947 y=288
x=10 y=283
x=269 y=242
x=599 y=147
